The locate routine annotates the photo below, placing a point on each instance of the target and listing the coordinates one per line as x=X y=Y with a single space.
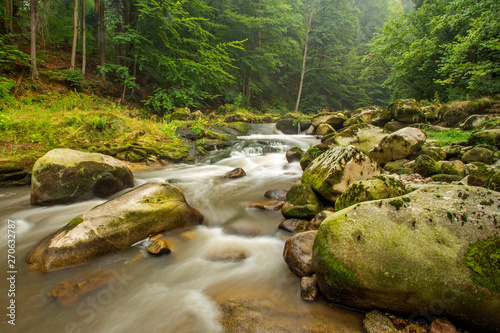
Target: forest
x=302 y=55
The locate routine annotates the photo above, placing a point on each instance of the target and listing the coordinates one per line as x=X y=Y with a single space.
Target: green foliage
x=119 y=74
x=10 y=55
x=5 y=86
x=74 y=79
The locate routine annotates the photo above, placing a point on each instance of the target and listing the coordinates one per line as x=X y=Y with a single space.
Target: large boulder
x=288 y=125
x=435 y=248
x=65 y=176
x=362 y=136
x=375 y=188
x=398 y=145
x=334 y=119
x=115 y=225
x=406 y=111
x=369 y=115
x=331 y=173
x=301 y=202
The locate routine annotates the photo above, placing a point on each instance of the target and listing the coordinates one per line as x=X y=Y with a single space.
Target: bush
x=5 y=86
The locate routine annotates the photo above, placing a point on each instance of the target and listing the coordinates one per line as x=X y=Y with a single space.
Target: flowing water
x=185 y=291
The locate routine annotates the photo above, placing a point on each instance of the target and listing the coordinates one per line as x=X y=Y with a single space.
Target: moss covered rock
x=398 y=145
x=331 y=173
x=115 y=225
x=362 y=136
x=312 y=153
x=426 y=166
x=334 y=119
x=301 y=202
x=478 y=154
x=288 y=125
x=453 y=168
x=64 y=176
x=406 y=111
x=324 y=129
x=438 y=243
x=369 y=115
x=377 y=187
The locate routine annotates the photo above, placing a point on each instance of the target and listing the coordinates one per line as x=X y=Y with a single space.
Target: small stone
x=413 y=328
x=442 y=325
x=269 y=205
x=309 y=288
x=298 y=253
x=376 y=322
x=294 y=154
x=279 y=195
x=294 y=225
x=235 y=173
x=159 y=247
x=228 y=255
x=155 y=237
x=316 y=221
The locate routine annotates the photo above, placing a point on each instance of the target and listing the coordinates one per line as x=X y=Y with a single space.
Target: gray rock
x=362 y=136
x=398 y=145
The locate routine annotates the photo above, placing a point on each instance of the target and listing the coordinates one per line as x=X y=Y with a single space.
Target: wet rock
x=12 y=174
x=331 y=173
x=294 y=154
x=334 y=119
x=288 y=126
x=362 y=136
x=309 y=288
x=406 y=111
x=375 y=188
x=270 y=205
x=489 y=137
x=318 y=219
x=159 y=247
x=376 y=322
x=398 y=145
x=243 y=228
x=435 y=241
x=294 y=225
x=186 y=134
x=228 y=255
x=324 y=129
x=301 y=202
x=312 y=153
x=426 y=166
x=115 y=225
x=70 y=291
x=478 y=154
x=279 y=195
x=298 y=253
x=65 y=176
x=235 y=173
x=155 y=237
x=442 y=325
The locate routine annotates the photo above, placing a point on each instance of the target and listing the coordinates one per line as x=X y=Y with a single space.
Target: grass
x=448 y=136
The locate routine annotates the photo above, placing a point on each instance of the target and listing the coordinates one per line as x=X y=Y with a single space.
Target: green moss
x=397 y=203
x=71 y=224
x=483 y=258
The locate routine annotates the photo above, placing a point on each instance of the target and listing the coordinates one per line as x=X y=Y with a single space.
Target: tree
x=102 y=37
x=33 y=28
x=9 y=8
x=75 y=35
x=309 y=17
x=84 y=40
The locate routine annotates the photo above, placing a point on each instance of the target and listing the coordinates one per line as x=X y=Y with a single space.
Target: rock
x=324 y=129
x=477 y=121
x=159 y=247
x=312 y=153
x=406 y=111
x=334 y=119
x=155 y=237
x=298 y=253
x=235 y=173
x=478 y=154
x=398 y=145
x=269 y=205
x=426 y=166
x=181 y=114
x=227 y=255
x=377 y=187
x=441 y=177
x=453 y=168
x=279 y=195
x=373 y=115
x=489 y=137
x=294 y=225
x=318 y=219
x=115 y=225
x=13 y=174
x=454 y=113
x=335 y=169
x=301 y=202
x=288 y=126
x=186 y=134
x=442 y=325
x=453 y=151
x=294 y=154
x=375 y=322
x=436 y=153
x=363 y=136
x=430 y=113
x=70 y=291
x=197 y=115
x=309 y=288
x=243 y=228
x=395 y=165
x=436 y=245
x=65 y=176
x=484 y=176
x=394 y=126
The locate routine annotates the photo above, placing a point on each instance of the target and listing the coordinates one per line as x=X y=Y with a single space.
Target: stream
x=180 y=292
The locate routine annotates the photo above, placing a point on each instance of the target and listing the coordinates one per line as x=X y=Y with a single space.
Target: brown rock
x=294 y=225
x=228 y=255
x=155 y=237
x=298 y=253
x=316 y=221
x=159 y=247
x=376 y=322
x=442 y=325
x=279 y=195
x=235 y=173
x=270 y=205
x=309 y=288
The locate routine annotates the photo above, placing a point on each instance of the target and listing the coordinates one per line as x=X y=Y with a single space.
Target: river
x=185 y=291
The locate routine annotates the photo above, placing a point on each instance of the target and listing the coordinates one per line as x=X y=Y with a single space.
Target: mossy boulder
x=288 y=125
x=442 y=177
x=484 y=176
x=375 y=188
x=395 y=165
x=324 y=129
x=301 y=202
x=454 y=113
x=334 y=170
x=14 y=174
x=369 y=115
x=436 y=244
x=115 y=225
x=294 y=154
x=453 y=168
x=478 y=154
x=312 y=153
x=181 y=114
x=398 y=145
x=426 y=166
x=334 y=119
x=362 y=136
x=64 y=176
x=406 y=111
x=393 y=126
x=437 y=153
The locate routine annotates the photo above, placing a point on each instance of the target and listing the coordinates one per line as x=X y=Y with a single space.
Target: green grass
x=447 y=137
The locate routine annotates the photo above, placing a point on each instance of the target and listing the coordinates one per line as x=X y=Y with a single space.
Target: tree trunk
x=8 y=16
x=33 y=24
x=75 y=36
x=84 y=40
x=118 y=29
x=102 y=38
x=304 y=60
x=96 y=27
